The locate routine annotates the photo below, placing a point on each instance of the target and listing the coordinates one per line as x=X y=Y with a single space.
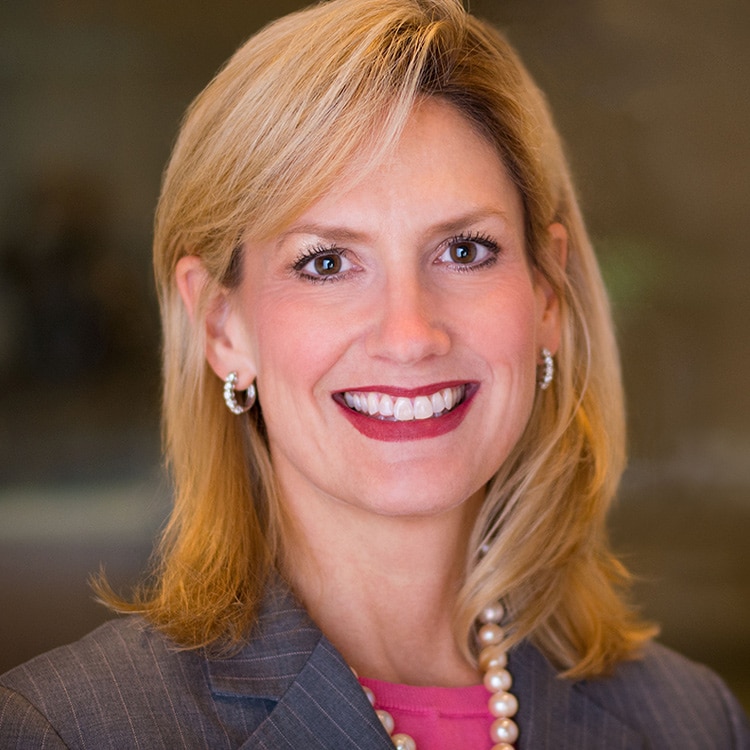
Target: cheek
x=296 y=345
x=506 y=341
x=506 y=327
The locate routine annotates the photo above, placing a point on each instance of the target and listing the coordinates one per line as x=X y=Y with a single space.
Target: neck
x=383 y=589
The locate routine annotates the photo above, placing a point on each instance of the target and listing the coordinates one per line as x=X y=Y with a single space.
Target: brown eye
x=463 y=252
x=323 y=264
x=327 y=265
x=468 y=253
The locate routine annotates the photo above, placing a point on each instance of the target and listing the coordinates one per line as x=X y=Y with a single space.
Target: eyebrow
x=344 y=234
x=474 y=217
x=331 y=232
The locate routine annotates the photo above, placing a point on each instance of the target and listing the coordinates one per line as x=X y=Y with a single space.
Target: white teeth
x=373 y=403
x=422 y=407
x=447 y=394
x=438 y=402
x=403 y=409
x=386 y=405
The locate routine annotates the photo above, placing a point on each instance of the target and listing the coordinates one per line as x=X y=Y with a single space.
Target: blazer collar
x=280 y=644
x=555 y=712
x=319 y=703
x=288 y=661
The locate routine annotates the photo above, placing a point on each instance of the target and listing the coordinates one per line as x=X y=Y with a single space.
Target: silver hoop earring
x=230 y=395
x=549 y=370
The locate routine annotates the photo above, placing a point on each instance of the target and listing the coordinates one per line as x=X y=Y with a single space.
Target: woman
x=367 y=231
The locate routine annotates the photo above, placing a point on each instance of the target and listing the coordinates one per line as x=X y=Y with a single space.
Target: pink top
x=438 y=718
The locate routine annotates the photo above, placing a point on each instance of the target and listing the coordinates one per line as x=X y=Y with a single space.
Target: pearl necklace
x=493 y=661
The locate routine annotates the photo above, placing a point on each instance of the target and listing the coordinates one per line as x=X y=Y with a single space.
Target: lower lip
x=415 y=429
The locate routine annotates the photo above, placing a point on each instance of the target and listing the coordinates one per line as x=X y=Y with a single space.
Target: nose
x=407 y=326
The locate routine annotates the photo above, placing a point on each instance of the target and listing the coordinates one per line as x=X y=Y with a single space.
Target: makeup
x=399 y=414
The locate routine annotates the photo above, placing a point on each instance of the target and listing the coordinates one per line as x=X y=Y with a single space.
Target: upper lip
x=396 y=391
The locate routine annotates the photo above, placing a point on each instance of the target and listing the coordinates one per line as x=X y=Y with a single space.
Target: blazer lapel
x=558 y=713
x=324 y=709
x=314 y=699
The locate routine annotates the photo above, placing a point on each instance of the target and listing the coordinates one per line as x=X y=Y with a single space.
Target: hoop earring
x=549 y=370
x=230 y=395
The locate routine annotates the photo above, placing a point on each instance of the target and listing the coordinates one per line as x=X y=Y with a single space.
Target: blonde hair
x=269 y=135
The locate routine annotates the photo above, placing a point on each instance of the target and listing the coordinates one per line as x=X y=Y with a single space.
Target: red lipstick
x=417 y=429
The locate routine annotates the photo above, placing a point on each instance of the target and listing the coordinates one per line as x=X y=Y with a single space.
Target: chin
x=415 y=502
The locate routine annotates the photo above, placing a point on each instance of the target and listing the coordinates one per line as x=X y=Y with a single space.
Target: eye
x=469 y=252
x=320 y=264
x=463 y=252
x=326 y=265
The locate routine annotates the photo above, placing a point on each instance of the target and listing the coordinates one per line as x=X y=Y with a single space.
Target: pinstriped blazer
x=126 y=686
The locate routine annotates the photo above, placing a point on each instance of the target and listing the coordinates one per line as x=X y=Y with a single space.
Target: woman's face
x=395 y=328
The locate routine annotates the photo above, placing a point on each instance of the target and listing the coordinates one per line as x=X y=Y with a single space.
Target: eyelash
x=314 y=252
x=478 y=238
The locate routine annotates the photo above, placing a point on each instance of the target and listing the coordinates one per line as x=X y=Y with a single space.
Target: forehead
x=440 y=161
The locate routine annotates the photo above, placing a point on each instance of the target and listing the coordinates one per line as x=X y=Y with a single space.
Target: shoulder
x=672 y=700
x=121 y=681
x=126 y=685
x=121 y=650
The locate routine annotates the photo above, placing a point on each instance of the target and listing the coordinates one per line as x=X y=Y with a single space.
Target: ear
x=226 y=346
x=548 y=301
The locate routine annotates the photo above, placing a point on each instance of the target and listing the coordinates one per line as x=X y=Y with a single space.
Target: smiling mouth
x=387 y=408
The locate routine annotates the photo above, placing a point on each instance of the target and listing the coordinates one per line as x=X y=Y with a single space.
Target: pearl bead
x=493 y=613
x=503 y=705
x=404 y=742
x=504 y=730
x=386 y=720
x=492 y=656
x=490 y=634
x=497 y=680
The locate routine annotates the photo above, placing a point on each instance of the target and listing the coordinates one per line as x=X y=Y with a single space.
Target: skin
x=426 y=282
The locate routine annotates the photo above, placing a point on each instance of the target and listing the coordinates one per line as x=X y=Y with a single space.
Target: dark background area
x=652 y=99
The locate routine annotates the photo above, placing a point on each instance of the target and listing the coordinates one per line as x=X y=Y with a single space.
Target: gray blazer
x=126 y=686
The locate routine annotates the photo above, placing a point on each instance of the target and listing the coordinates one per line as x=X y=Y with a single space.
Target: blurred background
x=652 y=99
